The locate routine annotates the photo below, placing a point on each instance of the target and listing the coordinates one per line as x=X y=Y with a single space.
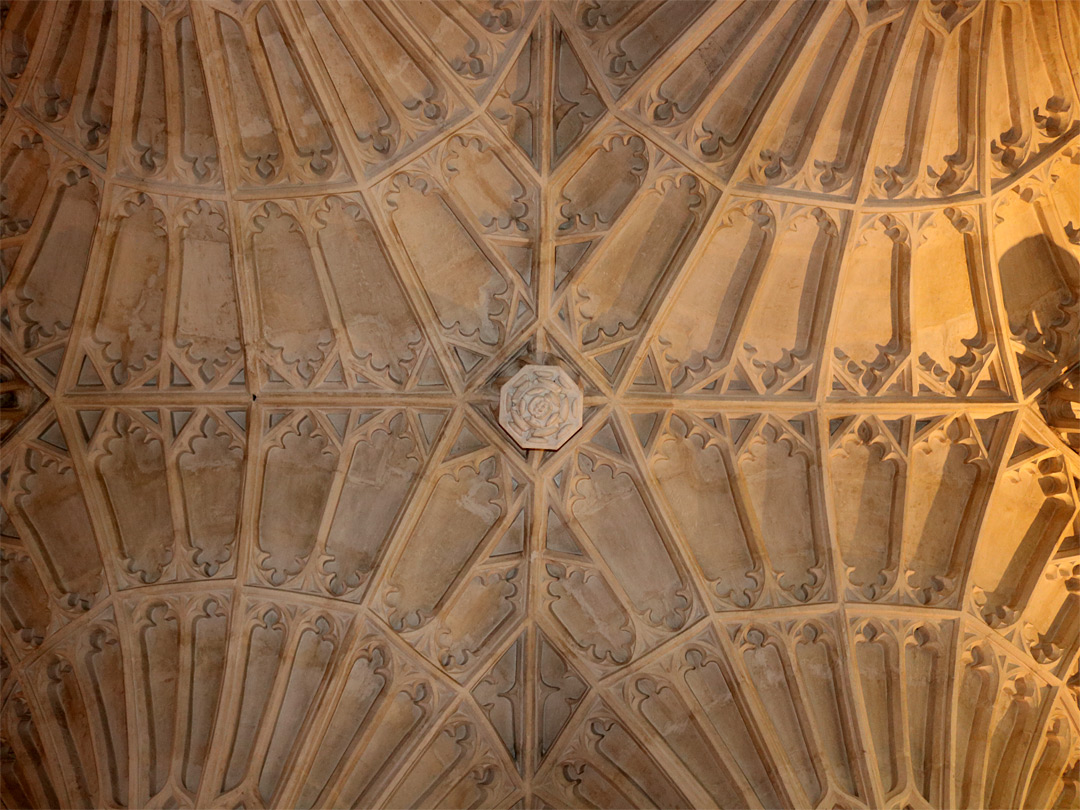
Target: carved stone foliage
x=789 y=518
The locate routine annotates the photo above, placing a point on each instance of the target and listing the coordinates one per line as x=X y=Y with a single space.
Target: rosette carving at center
x=540 y=407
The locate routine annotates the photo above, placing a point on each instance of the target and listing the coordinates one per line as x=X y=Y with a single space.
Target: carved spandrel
x=576 y=104
x=516 y=106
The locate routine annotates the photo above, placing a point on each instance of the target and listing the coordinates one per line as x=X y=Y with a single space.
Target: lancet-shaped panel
x=392 y=96
x=776 y=464
x=624 y=41
x=54 y=567
x=282 y=656
x=162 y=310
x=82 y=689
x=1032 y=103
x=470 y=495
x=1038 y=264
x=168 y=131
x=694 y=470
x=475 y=39
x=926 y=143
x=165 y=527
x=278 y=127
x=29 y=780
x=868 y=467
x=180 y=662
x=45 y=279
x=603 y=764
x=818 y=141
x=72 y=90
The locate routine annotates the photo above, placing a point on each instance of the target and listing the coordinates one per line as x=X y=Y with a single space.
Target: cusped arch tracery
x=539 y=404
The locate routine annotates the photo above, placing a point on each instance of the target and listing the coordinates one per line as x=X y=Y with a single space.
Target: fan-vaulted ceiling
x=814 y=267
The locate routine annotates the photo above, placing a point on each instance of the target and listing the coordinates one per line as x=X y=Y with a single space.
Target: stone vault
x=808 y=272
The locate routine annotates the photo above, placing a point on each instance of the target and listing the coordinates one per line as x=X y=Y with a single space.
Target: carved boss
x=540 y=407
